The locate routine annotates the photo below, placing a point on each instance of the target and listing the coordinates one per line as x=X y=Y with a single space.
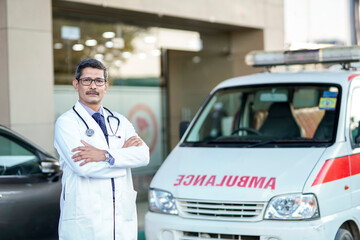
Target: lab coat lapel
x=92 y=124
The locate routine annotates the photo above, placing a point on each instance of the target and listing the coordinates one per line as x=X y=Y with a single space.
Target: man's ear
x=75 y=83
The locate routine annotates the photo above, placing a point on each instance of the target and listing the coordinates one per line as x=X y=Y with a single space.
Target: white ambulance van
x=270 y=156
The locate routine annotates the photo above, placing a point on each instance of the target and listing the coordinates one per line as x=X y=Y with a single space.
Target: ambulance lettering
x=229 y=183
x=190 y=177
x=243 y=181
x=222 y=181
x=211 y=181
x=226 y=181
x=199 y=180
x=257 y=182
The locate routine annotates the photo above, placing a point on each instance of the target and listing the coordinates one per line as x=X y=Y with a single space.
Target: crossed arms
x=89 y=153
x=74 y=150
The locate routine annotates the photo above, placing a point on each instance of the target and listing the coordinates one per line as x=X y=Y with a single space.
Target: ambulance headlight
x=162 y=202
x=292 y=207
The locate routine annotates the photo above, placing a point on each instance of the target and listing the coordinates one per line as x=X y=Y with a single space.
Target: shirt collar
x=90 y=111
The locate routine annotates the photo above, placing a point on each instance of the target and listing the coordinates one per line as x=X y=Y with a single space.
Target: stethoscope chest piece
x=89 y=132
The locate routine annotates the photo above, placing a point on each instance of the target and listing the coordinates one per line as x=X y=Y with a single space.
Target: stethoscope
x=90 y=132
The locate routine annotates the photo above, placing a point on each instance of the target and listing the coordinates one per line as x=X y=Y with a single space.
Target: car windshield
x=272 y=115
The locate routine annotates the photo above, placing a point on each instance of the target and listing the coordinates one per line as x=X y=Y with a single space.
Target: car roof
x=336 y=77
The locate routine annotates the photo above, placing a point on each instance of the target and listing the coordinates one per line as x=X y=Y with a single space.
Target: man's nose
x=92 y=85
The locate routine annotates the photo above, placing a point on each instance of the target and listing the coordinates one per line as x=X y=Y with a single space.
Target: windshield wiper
x=230 y=140
x=252 y=143
x=296 y=140
x=222 y=140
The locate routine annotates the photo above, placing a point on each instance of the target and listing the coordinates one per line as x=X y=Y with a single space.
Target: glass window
x=355 y=117
x=112 y=43
x=17 y=160
x=131 y=53
x=278 y=115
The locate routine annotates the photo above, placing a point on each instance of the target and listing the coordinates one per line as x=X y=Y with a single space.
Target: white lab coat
x=86 y=203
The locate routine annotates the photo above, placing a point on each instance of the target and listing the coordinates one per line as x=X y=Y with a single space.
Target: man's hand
x=133 y=142
x=88 y=153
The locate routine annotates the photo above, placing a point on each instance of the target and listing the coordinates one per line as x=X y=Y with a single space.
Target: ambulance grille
x=209 y=236
x=230 y=211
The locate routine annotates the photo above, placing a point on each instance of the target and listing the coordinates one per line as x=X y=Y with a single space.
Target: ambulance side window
x=355 y=118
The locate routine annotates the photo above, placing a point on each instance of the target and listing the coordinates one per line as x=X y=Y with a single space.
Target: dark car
x=30 y=186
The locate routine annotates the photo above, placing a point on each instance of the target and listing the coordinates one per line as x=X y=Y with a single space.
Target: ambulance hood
x=233 y=174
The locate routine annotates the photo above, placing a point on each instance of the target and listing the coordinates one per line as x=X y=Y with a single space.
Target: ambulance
x=269 y=156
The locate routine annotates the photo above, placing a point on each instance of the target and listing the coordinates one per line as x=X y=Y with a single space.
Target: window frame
x=354 y=86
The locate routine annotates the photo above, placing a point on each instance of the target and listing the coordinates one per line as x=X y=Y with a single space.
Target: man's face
x=91 y=95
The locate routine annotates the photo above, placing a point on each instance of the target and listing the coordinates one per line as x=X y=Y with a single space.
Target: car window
x=17 y=160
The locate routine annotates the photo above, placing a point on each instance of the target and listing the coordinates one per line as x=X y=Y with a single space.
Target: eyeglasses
x=88 y=81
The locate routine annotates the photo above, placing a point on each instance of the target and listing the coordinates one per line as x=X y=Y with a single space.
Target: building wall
x=242 y=42
x=4 y=76
x=260 y=14
x=26 y=69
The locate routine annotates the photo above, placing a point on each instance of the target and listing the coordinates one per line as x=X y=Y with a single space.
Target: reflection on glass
x=129 y=52
x=16 y=160
x=281 y=114
x=110 y=43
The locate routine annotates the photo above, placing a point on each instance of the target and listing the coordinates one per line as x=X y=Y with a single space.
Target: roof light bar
x=305 y=56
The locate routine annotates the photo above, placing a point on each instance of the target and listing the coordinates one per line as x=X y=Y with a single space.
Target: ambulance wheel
x=343 y=234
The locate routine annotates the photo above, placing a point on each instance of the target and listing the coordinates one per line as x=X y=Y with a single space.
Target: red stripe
x=355 y=164
x=335 y=169
x=351 y=77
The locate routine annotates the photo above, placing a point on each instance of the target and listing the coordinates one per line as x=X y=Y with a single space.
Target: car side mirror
x=183 y=127
x=50 y=166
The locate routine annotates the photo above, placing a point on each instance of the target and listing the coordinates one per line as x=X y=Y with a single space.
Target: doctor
x=97 y=149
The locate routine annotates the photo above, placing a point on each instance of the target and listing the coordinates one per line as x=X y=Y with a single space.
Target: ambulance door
x=354 y=136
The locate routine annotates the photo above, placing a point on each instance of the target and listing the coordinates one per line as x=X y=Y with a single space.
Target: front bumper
x=170 y=227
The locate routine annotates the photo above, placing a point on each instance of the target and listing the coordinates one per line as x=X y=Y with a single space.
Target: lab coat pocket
x=128 y=205
x=68 y=210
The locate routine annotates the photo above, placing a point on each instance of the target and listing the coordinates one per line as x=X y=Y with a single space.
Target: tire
x=343 y=234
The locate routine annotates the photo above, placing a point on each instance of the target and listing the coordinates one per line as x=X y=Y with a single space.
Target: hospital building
x=163 y=57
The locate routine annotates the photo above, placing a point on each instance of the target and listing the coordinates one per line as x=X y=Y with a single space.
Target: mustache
x=92 y=92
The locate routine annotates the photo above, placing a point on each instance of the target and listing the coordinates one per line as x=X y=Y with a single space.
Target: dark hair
x=92 y=63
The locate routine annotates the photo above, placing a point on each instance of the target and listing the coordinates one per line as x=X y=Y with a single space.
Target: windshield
x=281 y=115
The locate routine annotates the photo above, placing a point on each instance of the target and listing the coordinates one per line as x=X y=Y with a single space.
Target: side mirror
x=50 y=166
x=183 y=127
